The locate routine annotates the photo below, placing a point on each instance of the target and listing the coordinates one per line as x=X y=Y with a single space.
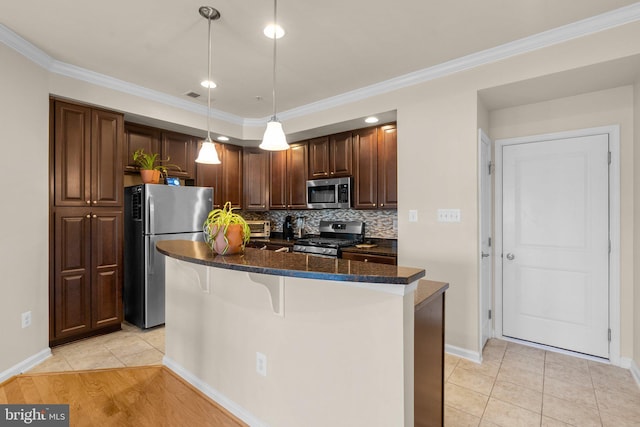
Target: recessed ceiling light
x=223 y=138
x=371 y=119
x=208 y=83
x=268 y=31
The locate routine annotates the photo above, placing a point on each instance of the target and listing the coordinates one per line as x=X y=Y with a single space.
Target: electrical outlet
x=26 y=319
x=261 y=364
x=413 y=215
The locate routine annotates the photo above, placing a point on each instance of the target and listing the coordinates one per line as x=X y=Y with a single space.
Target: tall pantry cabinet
x=86 y=206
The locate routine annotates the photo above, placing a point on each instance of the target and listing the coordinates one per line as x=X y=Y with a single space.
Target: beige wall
x=602 y=108
x=24 y=228
x=437 y=151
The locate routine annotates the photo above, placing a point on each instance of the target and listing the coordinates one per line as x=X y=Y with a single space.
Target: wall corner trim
x=635 y=372
x=474 y=356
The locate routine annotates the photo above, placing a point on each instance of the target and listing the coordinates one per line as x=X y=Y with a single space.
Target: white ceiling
x=331 y=47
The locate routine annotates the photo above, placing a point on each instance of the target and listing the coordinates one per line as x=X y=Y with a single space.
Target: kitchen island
x=286 y=339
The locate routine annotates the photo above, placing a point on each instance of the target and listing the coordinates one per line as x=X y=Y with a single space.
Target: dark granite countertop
x=386 y=247
x=291 y=264
x=428 y=290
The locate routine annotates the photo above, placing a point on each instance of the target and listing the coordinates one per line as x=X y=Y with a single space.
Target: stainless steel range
x=333 y=236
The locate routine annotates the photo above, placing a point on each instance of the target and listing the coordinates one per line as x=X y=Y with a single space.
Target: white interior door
x=486 y=251
x=556 y=243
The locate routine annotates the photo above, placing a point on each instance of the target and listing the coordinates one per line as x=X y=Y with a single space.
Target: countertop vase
x=226 y=242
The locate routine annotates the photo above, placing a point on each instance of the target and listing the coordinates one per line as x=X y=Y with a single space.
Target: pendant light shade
x=274 y=138
x=208 y=153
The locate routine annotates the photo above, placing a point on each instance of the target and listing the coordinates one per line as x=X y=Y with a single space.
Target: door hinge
x=489 y=241
x=490 y=167
x=609 y=335
x=489 y=314
x=609 y=158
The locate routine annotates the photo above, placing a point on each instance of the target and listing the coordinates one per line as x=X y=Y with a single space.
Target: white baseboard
x=213 y=394
x=635 y=372
x=474 y=356
x=26 y=364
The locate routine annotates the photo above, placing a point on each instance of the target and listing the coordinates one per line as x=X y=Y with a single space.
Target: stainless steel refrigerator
x=152 y=213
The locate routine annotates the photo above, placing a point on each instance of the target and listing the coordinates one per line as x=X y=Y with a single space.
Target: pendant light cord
x=209 y=85
x=275 y=25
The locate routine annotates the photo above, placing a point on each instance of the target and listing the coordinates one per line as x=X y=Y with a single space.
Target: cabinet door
x=232 y=175
x=319 y=158
x=138 y=137
x=340 y=156
x=256 y=176
x=179 y=150
x=278 y=179
x=106 y=158
x=72 y=272
x=72 y=138
x=211 y=176
x=365 y=172
x=388 y=167
x=297 y=173
x=106 y=267
x=379 y=259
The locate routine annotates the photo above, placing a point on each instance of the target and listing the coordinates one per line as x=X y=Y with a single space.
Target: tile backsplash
x=381 y=224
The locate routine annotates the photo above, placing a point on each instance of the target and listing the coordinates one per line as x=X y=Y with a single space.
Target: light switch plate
x=448 y=215
x=413 y=215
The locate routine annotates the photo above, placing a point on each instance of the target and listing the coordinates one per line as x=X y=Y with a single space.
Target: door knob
x=484 y=255
x=510 y=256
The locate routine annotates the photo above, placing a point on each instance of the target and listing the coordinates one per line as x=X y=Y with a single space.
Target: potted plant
x=226 y=232
x=150 y=167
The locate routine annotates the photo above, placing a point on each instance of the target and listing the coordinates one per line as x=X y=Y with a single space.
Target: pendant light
x=208 y=153
x=274 y=138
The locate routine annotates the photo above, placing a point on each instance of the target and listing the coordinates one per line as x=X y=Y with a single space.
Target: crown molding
x=591 y=25
x=605 y=21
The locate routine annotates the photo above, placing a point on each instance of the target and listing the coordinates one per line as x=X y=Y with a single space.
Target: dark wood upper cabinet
x=297 y=173
x=278 y=180
x=388 y=167
x=232 y=175
x=365 y=160
x=88 y=146
x=319 y=158
x=289 y=172
x=375 y=161
x=225 y=178
x=179 y=150
x=256 y=178
x=139 y=137
x=340 y=154
x=330 y=156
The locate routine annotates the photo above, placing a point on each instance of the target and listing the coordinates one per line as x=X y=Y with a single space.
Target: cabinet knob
x=366 y=260
x=95 y=202
x=95 y=216
x=381 y=204
x=374 y=205
x=88 y=216
x=88 y=202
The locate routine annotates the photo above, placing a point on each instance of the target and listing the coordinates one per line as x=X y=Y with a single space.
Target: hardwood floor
x=143 y=396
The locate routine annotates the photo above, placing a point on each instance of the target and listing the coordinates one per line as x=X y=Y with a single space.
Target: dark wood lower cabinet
x=429 y=354
x=87 y=283
x=380 y=259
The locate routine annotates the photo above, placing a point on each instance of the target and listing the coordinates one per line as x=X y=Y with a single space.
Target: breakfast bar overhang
x=285 y=339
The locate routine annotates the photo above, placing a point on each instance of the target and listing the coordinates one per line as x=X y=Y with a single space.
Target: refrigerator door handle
x=152 y=215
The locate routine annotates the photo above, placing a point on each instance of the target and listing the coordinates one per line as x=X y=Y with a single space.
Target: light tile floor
x=129 y=347
x=515 y=385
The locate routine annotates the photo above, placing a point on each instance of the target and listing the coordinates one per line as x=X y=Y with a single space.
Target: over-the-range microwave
x=333 y=193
